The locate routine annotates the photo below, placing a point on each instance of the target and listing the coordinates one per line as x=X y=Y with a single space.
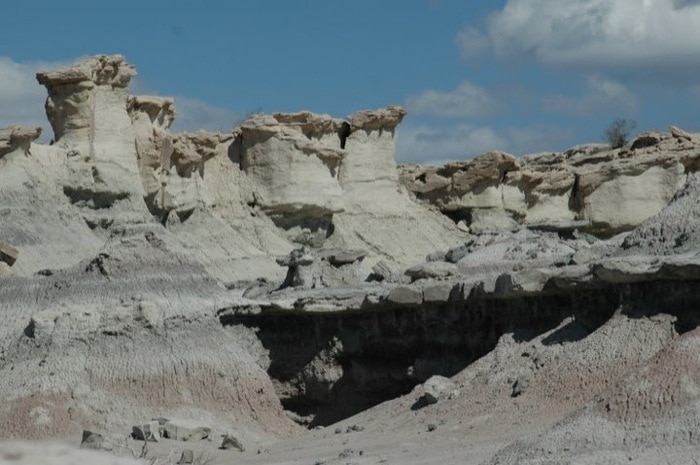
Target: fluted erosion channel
x=329 y=366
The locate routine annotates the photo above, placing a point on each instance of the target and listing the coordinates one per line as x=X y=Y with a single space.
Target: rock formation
x=289 y=273
x=592 y=188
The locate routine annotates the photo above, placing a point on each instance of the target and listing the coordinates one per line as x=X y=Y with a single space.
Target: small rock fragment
x=345 y=257
x=95 y=441
x=437 y=388
x=521 y=384
x=187 y=457
x=431 y=270
x=381 y=270
x=146 y=432
x=175 y=430
x=8 y=254
x=354 y=428
x=405 y=296
x=231 y=442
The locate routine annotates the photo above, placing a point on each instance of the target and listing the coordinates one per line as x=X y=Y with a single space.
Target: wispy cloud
x=472 y=43
x=425 y=143
x=679 y=4
x=193 y=115
x=601 y=96
x=467 y=100
x=592 y=33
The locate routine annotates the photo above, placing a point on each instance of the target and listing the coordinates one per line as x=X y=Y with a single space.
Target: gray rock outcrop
x=15 y=138
x=609 y=190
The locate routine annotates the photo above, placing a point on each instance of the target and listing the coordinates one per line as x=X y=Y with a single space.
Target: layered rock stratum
x=288 y=287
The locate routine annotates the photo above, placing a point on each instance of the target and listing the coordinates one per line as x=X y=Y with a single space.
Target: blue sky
x=516 y=75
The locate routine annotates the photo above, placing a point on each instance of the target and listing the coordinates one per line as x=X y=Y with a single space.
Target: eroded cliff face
x=127 y=238
x=86 y=107
x=289 y=269
x=592 y=188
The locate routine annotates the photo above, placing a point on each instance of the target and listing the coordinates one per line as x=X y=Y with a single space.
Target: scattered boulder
x=187 y=457
x=230 y=442
x=8 y=254
x=438 y=388
x=403 y=295
x=381 y=270
x=180 y=432
x=439 y=292
x=521 y=383
x=95 y=441
x=344 y=257
x=146 y=432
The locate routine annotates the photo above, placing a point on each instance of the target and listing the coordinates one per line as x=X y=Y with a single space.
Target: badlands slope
x=287 y=284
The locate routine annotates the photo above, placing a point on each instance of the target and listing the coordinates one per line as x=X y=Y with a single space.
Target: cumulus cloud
x=467 y=100
x=601 y=96
x=592 y=33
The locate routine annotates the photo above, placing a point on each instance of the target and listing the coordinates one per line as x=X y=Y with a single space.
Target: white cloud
x=472 y=43
x=467 y=100
x=22 y=98
x=424 y=143
x=595 y=33
x=602 y=96
x=22 y=101
x=540 y=138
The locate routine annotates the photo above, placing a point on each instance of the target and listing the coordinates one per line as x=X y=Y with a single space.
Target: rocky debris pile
x=162 y=428
x=309 y=268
